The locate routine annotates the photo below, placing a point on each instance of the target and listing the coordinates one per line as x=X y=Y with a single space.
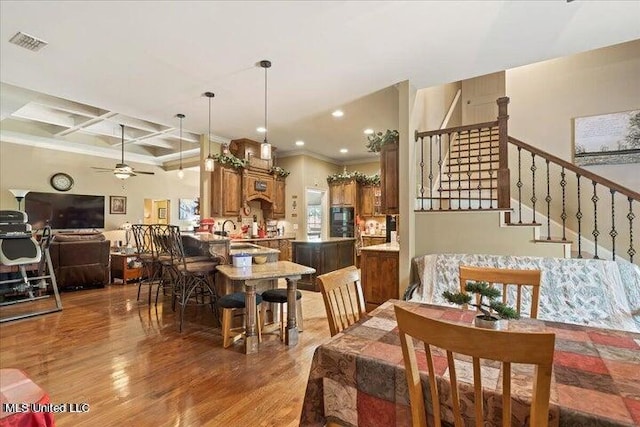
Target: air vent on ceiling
x=28 y=42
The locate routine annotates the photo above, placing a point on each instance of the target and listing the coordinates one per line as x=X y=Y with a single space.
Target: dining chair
x=343 y=299
x=528 y=348
x=505 y=277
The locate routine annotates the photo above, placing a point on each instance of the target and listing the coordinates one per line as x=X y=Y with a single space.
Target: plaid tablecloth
x=358 y=377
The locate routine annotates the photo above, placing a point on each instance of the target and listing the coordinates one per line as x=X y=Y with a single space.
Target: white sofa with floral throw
x=590 y=292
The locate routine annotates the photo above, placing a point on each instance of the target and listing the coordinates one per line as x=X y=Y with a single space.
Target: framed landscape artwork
x=162 y=213
x=117 y=205
x=187 y=209
x=607 y=139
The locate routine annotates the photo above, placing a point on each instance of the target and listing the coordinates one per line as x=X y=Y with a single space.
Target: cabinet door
x=278 y=210
x=285 y=251
x=365 y=207
x=379 y=277
x=336 y=195
x=345 y=254
x=225 y=192
x=389 y=164
x=349 y=193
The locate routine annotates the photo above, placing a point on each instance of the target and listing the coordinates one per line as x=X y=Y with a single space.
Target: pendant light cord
x=266 y=129
x=180 y=116
x=209 y=134
x=122 y=142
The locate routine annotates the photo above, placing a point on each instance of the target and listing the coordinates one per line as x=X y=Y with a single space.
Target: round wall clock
x=61 y=181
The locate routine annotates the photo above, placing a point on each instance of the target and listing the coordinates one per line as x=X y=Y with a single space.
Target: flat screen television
x=64 y=211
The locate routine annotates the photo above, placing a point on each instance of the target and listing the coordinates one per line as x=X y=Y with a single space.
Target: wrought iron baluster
x=431 y=172
x=422 y=173
x=613 y=233
x=440 y=170
x=579 y=218
x=548 y=200
x=595 y=233
x=479 y=186
x=563 y=184
x=630 y=216
x=449 y=170
x=533 y=185
x=519 y=185
x=490 y=168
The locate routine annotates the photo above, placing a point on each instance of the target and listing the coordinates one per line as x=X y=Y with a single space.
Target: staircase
x=467 y=168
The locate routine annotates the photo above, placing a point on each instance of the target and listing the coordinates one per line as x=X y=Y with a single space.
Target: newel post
x=504 y=180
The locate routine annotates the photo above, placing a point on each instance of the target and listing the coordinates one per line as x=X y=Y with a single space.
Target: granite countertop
x=384 y=247
x=269 y=270
x=321 y=241
x=243 y=247
x=207 y=237
x=261 y=239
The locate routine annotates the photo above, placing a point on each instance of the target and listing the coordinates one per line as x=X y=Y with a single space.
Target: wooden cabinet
x=125 y=267
x=380 y=276
x=226 y=186
x=285 y=249
x=324 y=256
x=389 y=179
x=343 y=193
x=369 y=203
x=277 y=209
x=249 y=150
x=257 y=185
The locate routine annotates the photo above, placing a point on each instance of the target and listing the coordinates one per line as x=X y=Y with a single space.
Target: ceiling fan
x=123 y=170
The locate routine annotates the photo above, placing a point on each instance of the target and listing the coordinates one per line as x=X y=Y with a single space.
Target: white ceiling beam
x=69 y=106
x=86 y=123
x=38 y=113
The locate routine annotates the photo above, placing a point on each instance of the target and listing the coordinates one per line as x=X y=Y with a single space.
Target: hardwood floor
x=131 y=365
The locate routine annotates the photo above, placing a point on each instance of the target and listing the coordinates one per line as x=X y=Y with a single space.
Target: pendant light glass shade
x=265 y=147
x=209 y=163
x=180 y=171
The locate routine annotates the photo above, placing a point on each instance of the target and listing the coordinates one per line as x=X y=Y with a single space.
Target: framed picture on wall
x=607 y=139
x=162 y=213
x=117 y=205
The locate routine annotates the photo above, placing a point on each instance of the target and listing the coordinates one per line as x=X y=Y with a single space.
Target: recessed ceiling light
x=337 y=113
x=344 y=150
x=261 y=129
x=368 y=131
x=299 y=143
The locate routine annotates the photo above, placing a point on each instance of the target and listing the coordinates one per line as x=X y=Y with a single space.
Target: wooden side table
x=120 y=267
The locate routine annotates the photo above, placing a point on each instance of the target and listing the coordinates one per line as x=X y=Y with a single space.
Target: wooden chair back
x=507 y=347
x=506 y=277
x=343 y=299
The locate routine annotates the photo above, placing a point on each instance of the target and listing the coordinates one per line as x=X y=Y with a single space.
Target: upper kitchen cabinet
x=344 y=193
x=370 y=202
x=276 y=210
x=389 y=179
x=249 y=150
x=226 y=186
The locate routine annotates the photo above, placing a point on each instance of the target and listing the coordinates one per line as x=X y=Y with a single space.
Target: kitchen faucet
x=225 y=223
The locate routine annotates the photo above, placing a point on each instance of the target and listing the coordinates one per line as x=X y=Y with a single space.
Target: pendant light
x=180 y=171
x=209 y=164
x=265 y=147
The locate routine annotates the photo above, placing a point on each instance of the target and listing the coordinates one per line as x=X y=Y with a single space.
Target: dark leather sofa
x=80 y=260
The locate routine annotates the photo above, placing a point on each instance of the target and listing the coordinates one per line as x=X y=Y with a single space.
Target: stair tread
x=524 y=224
x=465 y=210
x=552 y=240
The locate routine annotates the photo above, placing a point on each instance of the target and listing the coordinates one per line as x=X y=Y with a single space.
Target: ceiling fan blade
x=145 y=173
x=102 y=169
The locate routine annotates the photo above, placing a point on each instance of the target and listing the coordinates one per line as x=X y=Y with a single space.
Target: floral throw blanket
x=591 y=292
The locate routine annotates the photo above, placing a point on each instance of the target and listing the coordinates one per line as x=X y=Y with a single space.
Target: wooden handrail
x=577 y=169
x=455 y=129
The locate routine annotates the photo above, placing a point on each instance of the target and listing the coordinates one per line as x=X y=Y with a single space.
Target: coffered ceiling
x=140 y=63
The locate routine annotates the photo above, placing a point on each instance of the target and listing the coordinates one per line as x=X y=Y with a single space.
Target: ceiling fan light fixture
x=265 y=147
x=209 y=163
x=180 y=171
x=122 y=174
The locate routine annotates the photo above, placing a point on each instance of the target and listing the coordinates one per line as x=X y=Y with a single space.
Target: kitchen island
x=323 y=255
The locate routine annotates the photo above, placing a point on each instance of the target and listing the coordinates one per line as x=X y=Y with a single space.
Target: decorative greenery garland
x=278 y=171
x=230 y=160
x=359 y=177
x=379 y=139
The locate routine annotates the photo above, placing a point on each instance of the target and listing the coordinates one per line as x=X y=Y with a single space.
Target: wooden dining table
x=250 y=277
x=358 y=377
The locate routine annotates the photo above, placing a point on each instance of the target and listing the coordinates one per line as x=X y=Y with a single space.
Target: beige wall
x=30 y=168
x=548 y=96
